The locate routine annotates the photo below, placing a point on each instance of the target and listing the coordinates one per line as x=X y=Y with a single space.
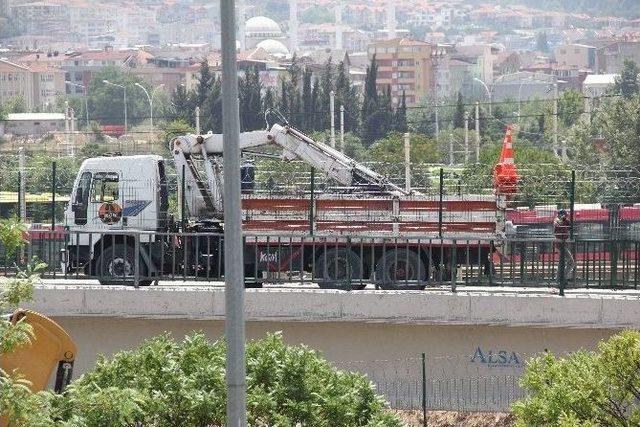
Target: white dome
x=262 y=25
x=273 y=47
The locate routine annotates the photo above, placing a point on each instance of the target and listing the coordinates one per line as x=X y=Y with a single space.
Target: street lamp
x=488 y=92
x=107 y=82
x=150 y=98
x=86 y=99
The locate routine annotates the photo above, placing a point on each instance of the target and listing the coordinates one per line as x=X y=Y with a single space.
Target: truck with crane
x=370 y=231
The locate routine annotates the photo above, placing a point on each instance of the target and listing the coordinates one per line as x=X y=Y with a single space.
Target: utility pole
x=21 y=168
x=451 y=156
x=332 y=112
x=197 y=120
x=342 y=128
x=555 y=119
x=477 y=132
x=466 y=137
x=407 y=162
x=67 y=127
x=72 y=124
x=437 y=124
x=233 y=246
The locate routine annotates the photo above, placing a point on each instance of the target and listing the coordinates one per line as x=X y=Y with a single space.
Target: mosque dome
x=273 y=47
x=262 y=25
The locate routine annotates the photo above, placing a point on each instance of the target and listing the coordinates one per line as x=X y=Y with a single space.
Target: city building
x=578 y=56
x=406 y=66
x=38 y=85
x=596 y=85
x=523 y=85
x=610 y=58
x=25 y=124
x=260 y=28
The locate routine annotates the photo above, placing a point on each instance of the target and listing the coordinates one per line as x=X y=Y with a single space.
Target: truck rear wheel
x=401 y=269
x=116 y=266
x=338 y=268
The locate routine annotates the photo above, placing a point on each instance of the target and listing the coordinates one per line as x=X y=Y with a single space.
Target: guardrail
x=334 y=261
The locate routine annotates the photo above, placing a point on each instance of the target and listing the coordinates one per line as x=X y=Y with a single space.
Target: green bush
x=599 y=388
x=169 y=383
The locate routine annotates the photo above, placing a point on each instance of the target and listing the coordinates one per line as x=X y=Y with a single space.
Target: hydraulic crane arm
x=205 y=195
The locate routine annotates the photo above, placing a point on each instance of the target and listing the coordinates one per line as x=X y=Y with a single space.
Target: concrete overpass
x=476 y=335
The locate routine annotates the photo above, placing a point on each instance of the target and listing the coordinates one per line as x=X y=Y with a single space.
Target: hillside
x=621 y=8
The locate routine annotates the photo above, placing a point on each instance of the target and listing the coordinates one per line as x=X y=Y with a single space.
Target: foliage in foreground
x=169 y=383
x=584 y=388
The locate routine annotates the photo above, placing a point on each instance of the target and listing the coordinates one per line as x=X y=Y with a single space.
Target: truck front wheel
x=116 y=266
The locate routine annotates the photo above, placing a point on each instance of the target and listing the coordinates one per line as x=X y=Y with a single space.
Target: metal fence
x=334 y=261
x=444 y=383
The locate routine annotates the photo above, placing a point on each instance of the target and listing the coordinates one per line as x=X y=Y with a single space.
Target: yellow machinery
x=51 y=348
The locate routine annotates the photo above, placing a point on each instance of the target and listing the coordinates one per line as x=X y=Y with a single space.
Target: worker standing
x=561 y=229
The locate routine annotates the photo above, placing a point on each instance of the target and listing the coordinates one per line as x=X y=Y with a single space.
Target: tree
x=370 y=104
x=542 y=44
x=585 y=388
x=627 y=83
x=347 y=96
x=400 y=118
x=182 y=104
x=250 y=94
x=458 y=117
x=308 y=109
x=287 y=385
x=206 y=80
x=269 y=101
x=212 y=109
x=327 y=78
x=106 y=102
x=570 y=107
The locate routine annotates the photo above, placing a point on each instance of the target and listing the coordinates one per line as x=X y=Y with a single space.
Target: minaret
x=293 y=25
x=391 y=19
x=241 y=10
x=338 y=12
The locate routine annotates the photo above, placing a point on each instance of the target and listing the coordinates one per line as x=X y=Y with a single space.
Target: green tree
x=400 y=118
x=308 y=109
x=250 y=94
x=327 y=80
x=570 y=106
x=585 y=388
x=627 y=83
x=182 y=105
x=458 y=117
x=206 y=81
x=212 y=109
x=106 y=102
x=542 y=43
x=269 y=100
x=286 y=385
x=347 y=96
x=370 y=105
x=16 y=105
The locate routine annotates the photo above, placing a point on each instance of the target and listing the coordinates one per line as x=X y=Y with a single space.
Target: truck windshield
x=105 y=188
x=82 y=199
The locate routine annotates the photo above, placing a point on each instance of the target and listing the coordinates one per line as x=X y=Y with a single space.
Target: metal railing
x=348 y=262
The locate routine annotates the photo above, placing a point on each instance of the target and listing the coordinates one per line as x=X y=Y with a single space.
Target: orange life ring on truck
x=110 y=213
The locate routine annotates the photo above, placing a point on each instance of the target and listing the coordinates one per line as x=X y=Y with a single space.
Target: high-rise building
x=405 y=65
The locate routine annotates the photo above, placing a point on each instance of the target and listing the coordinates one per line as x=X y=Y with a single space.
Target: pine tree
x=347 y=96
x=205 y=84
x=212 y=109
x=182 y=105
x=370 y=105
x=283 y=105
x=458 y=117
x=400 y=119
x=269 y=101
x=627 y=83
x=250 y=101
x=307 y=101
x=326 y=86
x=315 y=96
x=295 y=100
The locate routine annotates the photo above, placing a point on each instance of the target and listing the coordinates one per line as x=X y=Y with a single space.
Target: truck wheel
x=401 y=269
x=116 y=266
x=338 y=269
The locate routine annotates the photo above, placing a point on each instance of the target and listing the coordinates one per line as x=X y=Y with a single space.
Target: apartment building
x=405 y=65
x=38 y=85
x=578 y=56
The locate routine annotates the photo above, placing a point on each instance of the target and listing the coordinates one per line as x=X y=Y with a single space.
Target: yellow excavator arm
x=51 y=348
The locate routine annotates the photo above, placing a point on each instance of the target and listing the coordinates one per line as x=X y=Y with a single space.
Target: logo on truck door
x=110 y=213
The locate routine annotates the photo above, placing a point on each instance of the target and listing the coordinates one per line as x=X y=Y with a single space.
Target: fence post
x=440 y=204
x=312 y=199
x=424 y=390
x=572 y=202
x=182 y=199
x=454 y=265
x=53 y=196
x=136 y=261
x=562 y=280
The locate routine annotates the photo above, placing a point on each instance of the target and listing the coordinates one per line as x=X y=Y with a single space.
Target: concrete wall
x=465 y=366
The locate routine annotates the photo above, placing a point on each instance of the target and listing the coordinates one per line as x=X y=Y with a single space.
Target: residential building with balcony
x=406 y=66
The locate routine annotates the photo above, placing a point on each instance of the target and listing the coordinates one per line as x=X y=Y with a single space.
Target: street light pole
x=150 y=99
x=107 y=82
x=86 y=99
x=233 y=245
x=488 y=93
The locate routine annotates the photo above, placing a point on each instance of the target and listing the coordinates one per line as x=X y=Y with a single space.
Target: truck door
x=105 y=204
